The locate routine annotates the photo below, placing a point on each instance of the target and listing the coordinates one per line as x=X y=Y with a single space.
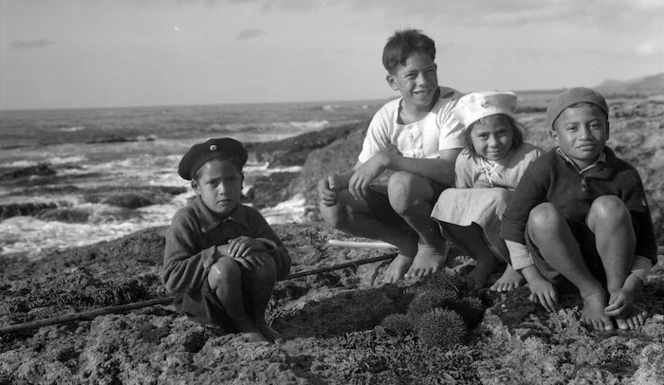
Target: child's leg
x=410 y=195
x=471 y=241
x=611 y=223
x=225 y=279
x=260 y=283
x=549 y=231
x=353 y=216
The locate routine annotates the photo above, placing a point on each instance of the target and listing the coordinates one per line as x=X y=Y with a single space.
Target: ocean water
x=93 y=150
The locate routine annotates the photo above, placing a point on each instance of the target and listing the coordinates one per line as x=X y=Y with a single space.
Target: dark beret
x=223 y=148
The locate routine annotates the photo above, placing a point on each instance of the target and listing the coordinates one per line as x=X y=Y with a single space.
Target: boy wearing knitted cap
x=222 y=259
x=580 y=216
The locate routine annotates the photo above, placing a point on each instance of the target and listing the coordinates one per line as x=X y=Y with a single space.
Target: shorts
x=586 y=241
x=204 y=306
x=381 y=209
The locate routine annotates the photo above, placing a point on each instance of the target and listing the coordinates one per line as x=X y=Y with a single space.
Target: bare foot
x=268 y=332
x=397 y=268
x=510 y=280
x=593 y=311
x=633 y=319
x=254 y=337
x=249 y=330
x=428 y=260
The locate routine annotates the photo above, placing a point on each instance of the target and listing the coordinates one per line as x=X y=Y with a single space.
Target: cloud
x=646 y=48
x=250 y=34
x=30 y=44
x=650 y=4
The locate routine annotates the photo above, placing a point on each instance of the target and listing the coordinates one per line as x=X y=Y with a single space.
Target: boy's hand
x=543 y=292
x=252 y=261
x=327 y=190
x=620 y=303
x=241 y=247
x=364 y=174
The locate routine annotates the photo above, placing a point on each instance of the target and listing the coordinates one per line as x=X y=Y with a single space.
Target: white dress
x=482 y=191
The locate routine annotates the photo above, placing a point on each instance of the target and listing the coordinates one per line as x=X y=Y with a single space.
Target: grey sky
x=77 y=53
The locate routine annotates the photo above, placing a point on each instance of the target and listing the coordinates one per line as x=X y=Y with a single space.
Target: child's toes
x=622 y=324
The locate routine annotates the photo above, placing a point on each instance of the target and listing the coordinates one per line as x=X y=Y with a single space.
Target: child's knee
x=404 y=189
x=543 y=217
x=340 y=215
x=608 y=209
x=223 y=272
x=267 y=272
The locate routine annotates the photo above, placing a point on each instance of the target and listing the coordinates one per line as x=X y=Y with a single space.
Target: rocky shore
x=342 y=326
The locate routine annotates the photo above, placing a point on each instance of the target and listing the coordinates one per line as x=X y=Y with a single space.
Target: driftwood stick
x=83 y=315
x=340 y=266
x=161 y=301
x=358 y=244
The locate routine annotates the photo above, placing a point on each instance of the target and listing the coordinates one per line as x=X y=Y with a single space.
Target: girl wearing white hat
x=486 y=174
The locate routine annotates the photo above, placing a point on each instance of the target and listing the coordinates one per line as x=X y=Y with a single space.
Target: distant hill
x=653 y=83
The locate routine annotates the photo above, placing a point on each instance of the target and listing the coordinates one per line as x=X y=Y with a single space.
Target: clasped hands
x=247 y=251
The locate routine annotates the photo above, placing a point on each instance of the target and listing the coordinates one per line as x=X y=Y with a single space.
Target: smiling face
x=219 y=184
x=417 y=81
x=491 y=137
x=581 y=132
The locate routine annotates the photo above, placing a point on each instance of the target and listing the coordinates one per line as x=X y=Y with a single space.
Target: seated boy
x=222 y=259
x=582 y=214
x=421 y=127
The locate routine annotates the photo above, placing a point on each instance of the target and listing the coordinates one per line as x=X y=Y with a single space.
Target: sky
x=115 y=53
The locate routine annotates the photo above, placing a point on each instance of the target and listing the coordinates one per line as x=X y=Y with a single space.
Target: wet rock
x=270 y=190
x=135 y=197
x=339 y=156
x=129 y=201
x=26 y=209
x=42 y=169
x=294 y=151
x=66 y=215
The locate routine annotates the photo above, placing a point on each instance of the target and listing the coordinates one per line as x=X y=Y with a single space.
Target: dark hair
x=517 y=132
x=197 y=174
x=403 y=44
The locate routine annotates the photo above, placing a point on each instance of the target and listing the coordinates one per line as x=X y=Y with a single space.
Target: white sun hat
x=476 y=105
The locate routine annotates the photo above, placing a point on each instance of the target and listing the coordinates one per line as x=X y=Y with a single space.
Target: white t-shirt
x=439 y=130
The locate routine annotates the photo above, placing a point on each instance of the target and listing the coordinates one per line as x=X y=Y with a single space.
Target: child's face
x=219 y=185
x=491 y=137
x=417 y=81
x=581 y=133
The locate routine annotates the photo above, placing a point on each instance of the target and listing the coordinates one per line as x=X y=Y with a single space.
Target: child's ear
x=554 y=135
x=607 y=130
x=392 y=82
x=195 y=186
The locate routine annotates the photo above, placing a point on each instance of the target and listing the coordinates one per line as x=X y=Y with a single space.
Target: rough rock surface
x=335 y=322
x=332 y=322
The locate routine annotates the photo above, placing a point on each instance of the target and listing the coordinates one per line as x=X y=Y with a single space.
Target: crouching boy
x=222 y=259
x=582 y=214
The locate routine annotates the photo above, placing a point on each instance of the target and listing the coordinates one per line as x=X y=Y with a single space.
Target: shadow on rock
x=328 y=313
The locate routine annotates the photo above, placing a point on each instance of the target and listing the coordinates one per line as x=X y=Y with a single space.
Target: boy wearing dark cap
x=579 y=215
x=222 y=259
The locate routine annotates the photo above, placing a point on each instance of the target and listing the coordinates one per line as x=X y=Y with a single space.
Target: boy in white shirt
x=418 y=138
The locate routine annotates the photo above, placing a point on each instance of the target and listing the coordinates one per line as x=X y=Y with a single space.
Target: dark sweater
x=193 y=237
x=552 y=179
